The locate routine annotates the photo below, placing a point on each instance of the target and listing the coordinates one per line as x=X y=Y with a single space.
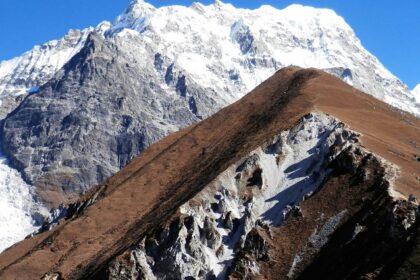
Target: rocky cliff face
x=98 y=112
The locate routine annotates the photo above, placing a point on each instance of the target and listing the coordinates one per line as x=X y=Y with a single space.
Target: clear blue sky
x=389 y=29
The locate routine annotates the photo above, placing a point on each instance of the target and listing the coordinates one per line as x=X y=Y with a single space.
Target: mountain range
x=77 y=110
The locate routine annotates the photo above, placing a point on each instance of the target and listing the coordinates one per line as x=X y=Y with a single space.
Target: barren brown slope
x=170 y=172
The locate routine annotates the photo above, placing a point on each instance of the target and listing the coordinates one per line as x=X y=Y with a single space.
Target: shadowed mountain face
x=223 y=198
x=95 y=115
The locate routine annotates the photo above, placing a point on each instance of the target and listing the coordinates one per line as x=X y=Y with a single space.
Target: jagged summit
x=198 y=40
x=137 y=8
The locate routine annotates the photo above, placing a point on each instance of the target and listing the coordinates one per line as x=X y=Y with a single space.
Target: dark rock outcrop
x=96 y=114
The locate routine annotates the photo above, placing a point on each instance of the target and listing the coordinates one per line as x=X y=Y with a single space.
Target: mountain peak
x=218 y=3
x=136 y=9
x=326 y=16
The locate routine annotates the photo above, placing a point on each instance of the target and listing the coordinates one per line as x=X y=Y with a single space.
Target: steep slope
x=25 y=74
x=256 y=159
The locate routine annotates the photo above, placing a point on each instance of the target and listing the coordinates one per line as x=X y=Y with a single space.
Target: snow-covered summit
x=228 y=49
x=135 y=17
x=232 y=50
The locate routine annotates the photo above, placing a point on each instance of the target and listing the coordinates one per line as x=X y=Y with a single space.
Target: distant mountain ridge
x=231 y=47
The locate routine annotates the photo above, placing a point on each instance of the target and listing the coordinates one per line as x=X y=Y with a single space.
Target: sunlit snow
x=416 y=93
x=20 y=213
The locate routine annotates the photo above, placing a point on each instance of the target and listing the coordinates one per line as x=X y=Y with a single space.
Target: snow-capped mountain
x=220 y=45
x=227 y=49
x=98 y=97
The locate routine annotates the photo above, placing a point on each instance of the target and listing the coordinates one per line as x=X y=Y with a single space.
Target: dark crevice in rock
x=256 y=178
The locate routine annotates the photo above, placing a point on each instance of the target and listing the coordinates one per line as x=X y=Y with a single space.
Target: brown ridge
x=166 y=175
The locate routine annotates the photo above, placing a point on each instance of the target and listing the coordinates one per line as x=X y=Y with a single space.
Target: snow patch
x=21 y=213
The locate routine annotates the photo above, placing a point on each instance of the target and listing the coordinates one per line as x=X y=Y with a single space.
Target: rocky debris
x=377 y=238
x=412 y=198
x=369 y=238
x=69 y=211
x=375 y=252
x=158 y=256
x=219 y=206
x=249 y=163
x=292 y=210
x=209 y=236
x=229 y=222
x=409 y=266
x=405 y=214
x=255 y=249
x=123 y=269
x=256 y=178
x=274 y=146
